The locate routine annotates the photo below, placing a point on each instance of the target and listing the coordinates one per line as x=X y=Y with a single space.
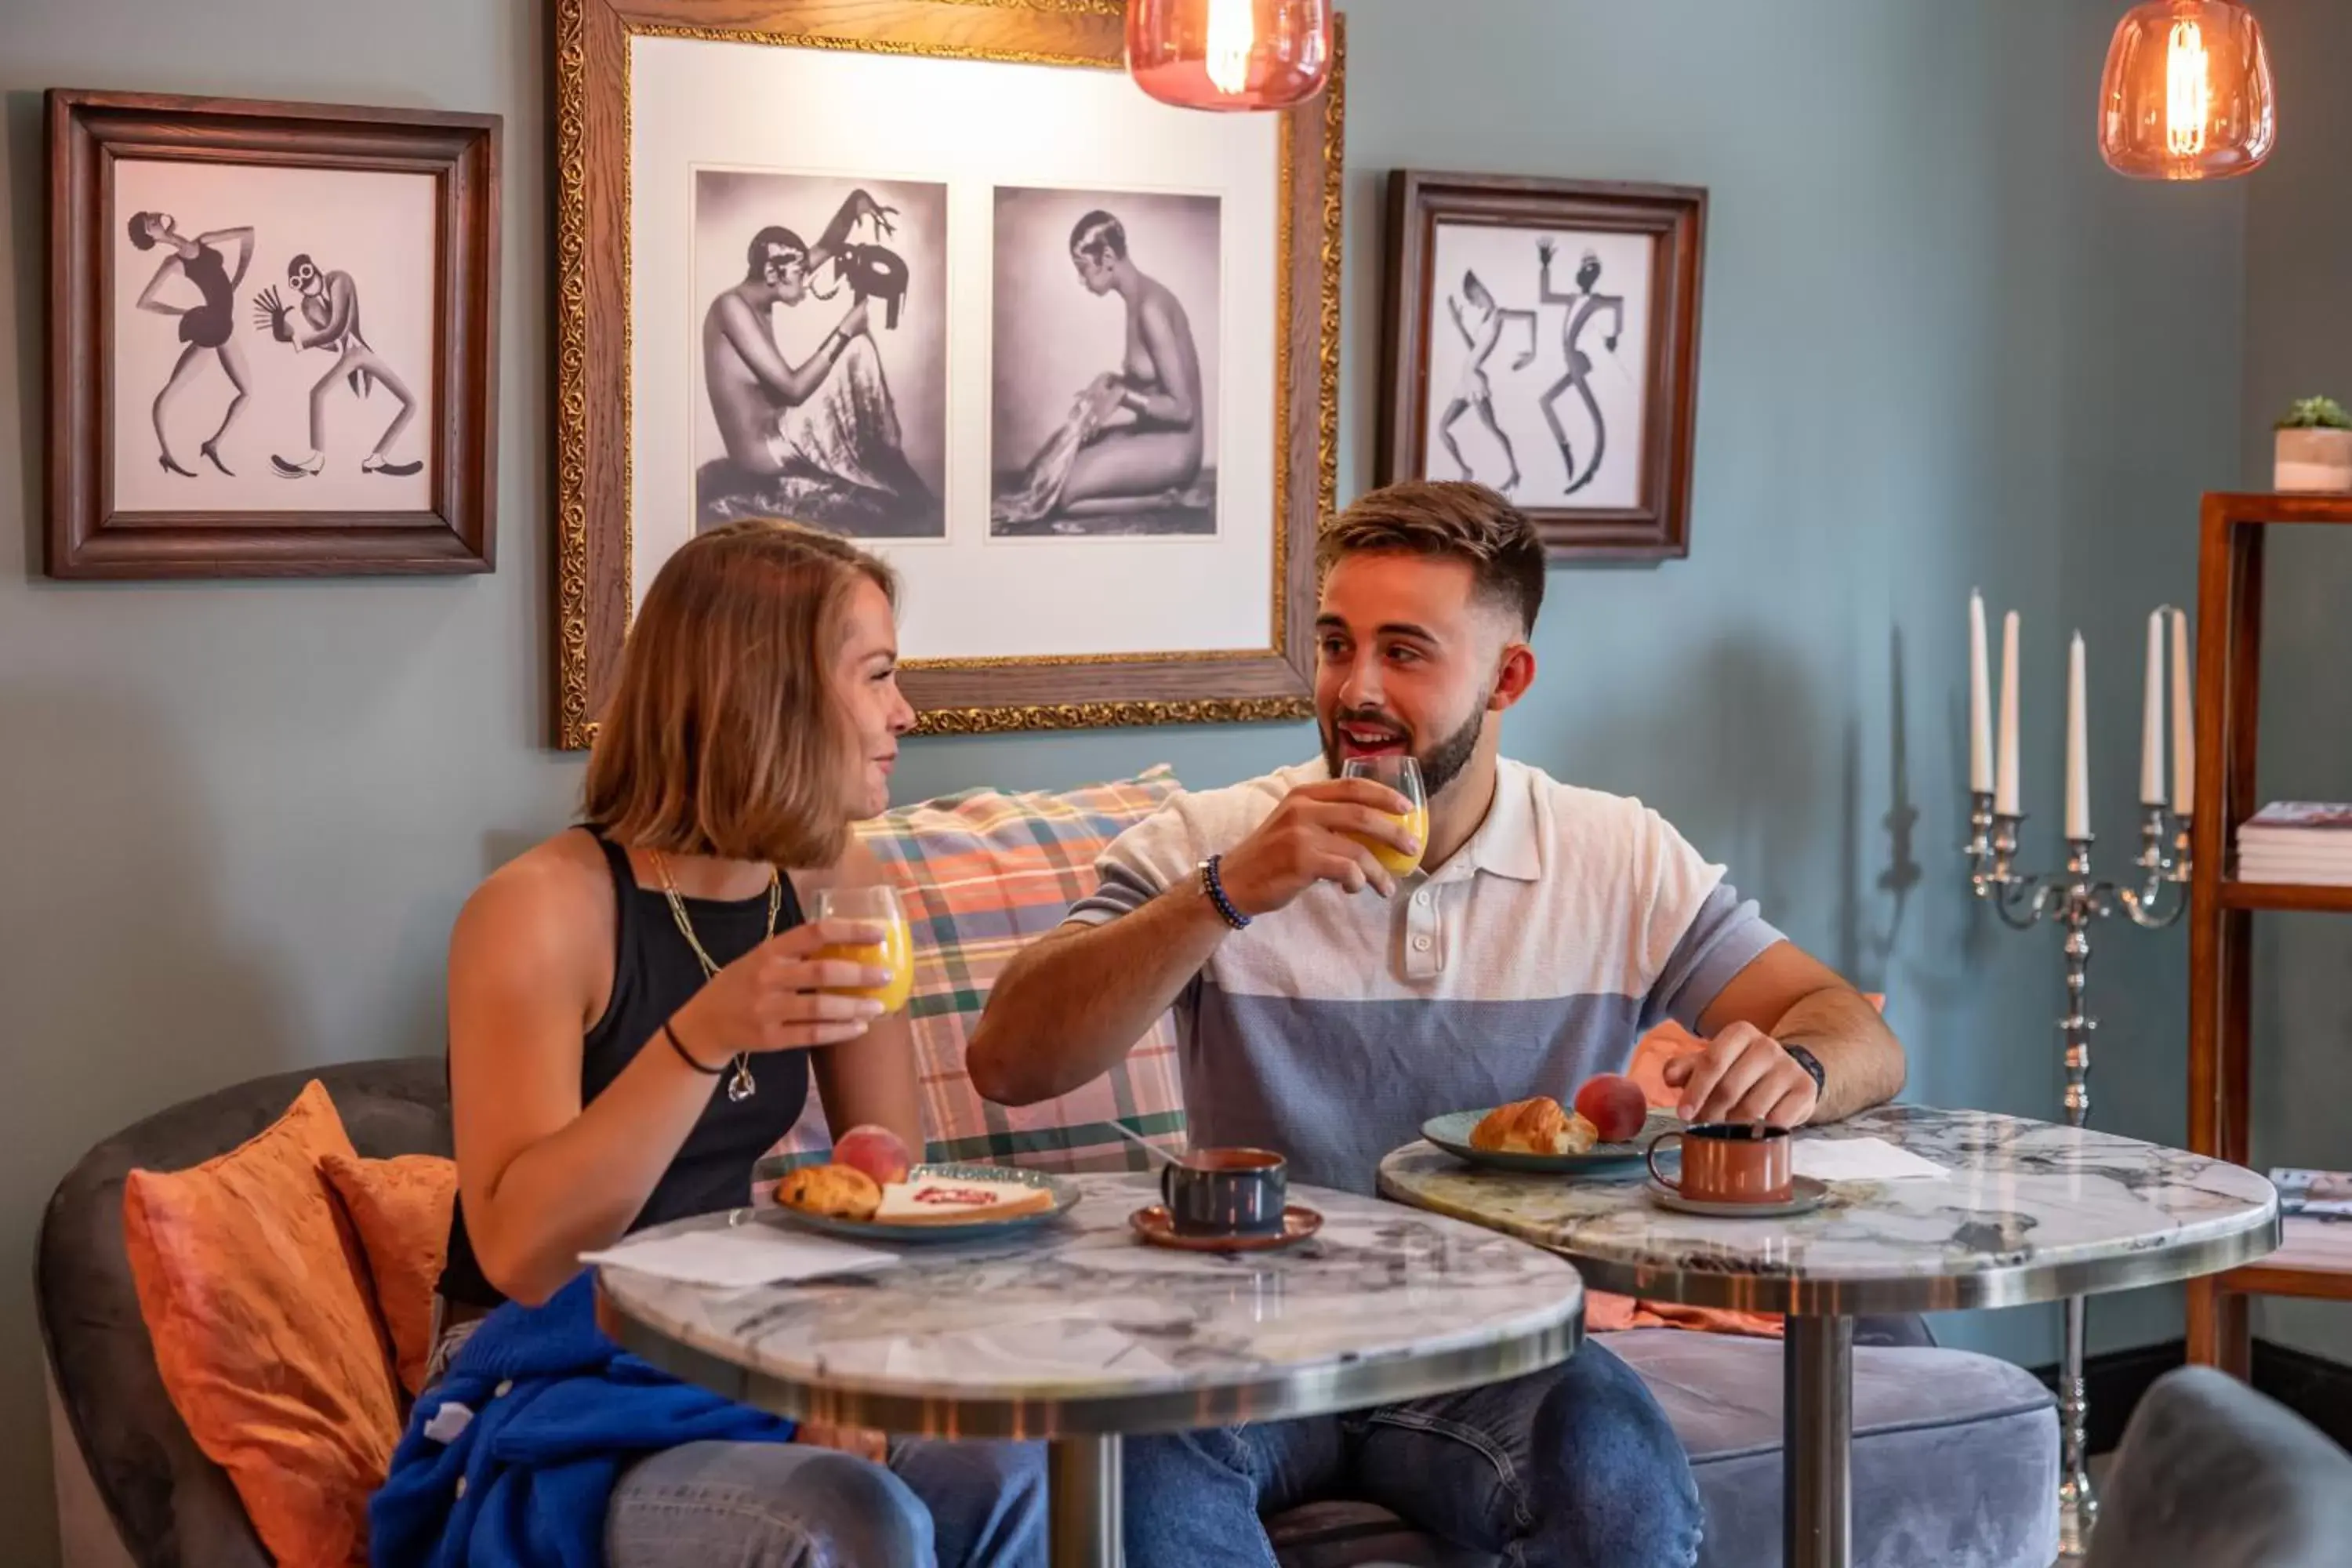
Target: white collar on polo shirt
x=1504 y=844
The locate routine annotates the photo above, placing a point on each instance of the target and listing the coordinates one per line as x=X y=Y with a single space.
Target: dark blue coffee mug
x=1225 y=1192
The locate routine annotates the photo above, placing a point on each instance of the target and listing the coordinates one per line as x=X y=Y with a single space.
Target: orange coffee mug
x=1730 y=1163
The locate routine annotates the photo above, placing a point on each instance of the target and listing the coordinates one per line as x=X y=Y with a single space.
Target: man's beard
x=1441 y=764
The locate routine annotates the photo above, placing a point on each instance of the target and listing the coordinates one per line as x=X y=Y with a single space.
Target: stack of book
x=2315 y=1195
x=2297 y=841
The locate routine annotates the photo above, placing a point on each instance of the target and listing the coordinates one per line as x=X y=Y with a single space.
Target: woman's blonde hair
x=724 y=735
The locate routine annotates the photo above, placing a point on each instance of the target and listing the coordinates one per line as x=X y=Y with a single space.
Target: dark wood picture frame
x=1658 y=528
x=594 y=422
x=87 y=536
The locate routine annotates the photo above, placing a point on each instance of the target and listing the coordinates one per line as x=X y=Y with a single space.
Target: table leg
x=1817 y=1443
x=2078 y=1505
x=1083 y=1501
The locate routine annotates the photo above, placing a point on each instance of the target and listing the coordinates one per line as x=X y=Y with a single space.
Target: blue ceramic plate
x=1451 y=1132
x=1065 y=1195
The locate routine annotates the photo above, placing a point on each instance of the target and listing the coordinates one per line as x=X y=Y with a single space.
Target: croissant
x=839 y=1191
x=1538 y=1126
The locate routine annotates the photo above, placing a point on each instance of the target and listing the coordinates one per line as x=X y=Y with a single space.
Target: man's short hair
x=1453 y=520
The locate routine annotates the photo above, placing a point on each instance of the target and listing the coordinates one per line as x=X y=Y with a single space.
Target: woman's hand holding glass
x=892 y=955
x=792 y=992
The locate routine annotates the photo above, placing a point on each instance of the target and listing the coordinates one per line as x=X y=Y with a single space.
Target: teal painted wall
x=1941 y=347
x=2299 y=341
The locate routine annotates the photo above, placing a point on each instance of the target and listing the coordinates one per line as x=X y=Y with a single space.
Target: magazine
x=2297 y=817
x=2316 y=1194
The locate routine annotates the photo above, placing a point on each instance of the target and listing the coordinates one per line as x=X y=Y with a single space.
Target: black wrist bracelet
x=1811 y=1063
x=685 y=1056
x=1214 y=886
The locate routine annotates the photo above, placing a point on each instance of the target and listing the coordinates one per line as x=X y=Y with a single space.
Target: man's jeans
x=1571 y=1467
x=792 y=1505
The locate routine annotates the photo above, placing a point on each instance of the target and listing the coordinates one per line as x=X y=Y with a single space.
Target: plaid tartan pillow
x=982 y=874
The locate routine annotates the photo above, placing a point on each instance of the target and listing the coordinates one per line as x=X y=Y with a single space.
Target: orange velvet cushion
x=253 y=1290
x=401 y=1207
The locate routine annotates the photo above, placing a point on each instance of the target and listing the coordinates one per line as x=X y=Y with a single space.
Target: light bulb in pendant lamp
x=1229 y=54
x=2187 y=94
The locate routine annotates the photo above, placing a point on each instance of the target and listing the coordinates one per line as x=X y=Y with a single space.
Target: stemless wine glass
x=875 y=906
x=1403 y=775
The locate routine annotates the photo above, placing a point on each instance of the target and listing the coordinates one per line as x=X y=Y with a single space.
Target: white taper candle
x=2184 y=725
x=1980 y=702
x=2078 y=762
x=2004 y=800
x=2151 y=719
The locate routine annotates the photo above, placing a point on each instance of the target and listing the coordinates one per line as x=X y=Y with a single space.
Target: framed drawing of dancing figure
x=1543 y=340
x=271 y=336
x=934 y=275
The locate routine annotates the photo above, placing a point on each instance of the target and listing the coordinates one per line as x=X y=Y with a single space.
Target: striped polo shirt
x=1570 y=923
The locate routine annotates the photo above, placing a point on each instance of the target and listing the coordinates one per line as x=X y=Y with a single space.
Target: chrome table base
x=1817 y=1443
x=1084 y=1502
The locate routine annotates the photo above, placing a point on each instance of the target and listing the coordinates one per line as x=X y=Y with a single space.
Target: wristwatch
x=1811 y=1063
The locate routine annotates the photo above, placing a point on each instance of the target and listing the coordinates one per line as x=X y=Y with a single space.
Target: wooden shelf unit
x=2314 y=1259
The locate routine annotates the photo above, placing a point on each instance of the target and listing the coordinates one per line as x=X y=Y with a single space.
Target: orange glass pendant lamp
x=2187 y=94
x=1229 y=54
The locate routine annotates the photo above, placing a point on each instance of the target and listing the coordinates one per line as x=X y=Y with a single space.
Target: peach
x=877 y=1150
x=1615 y=1105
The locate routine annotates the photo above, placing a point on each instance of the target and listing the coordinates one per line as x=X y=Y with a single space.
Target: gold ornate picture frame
x=933 y=273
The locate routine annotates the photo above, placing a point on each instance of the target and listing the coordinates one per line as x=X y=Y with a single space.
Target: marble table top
x=1078 y=1326
x=2030 y=1211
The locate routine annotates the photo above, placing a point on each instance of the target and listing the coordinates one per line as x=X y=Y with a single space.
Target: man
x=331 y=304
x=1325 y=1009
x=1583 y=305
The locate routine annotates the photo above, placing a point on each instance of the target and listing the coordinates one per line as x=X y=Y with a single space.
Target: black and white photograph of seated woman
x=822 y=352
x=1105 y=363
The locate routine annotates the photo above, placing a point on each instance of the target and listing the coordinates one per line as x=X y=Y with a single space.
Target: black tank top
x=654 y=973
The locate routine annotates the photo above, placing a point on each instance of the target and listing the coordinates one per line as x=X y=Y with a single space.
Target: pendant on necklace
x=741 y=1087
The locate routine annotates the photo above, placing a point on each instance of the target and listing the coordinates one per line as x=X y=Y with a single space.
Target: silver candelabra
x=2073 y=899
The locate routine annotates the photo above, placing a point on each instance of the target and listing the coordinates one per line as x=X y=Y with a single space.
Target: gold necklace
x=741 y=1086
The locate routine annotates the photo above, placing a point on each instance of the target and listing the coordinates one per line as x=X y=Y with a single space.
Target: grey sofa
x=1956 y=1456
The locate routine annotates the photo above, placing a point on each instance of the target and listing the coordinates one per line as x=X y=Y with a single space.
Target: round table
x=2030 y=1211
x=1077 y=1332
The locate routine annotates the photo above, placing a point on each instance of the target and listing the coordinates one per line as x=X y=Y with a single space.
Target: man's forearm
x=1072 y=1007
x=1862 y=1061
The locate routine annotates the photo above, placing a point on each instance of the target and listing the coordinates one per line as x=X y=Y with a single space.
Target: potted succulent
x=2315 y=447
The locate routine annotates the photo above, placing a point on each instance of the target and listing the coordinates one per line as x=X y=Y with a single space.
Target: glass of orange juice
x=1403 y=775
x=876 y=907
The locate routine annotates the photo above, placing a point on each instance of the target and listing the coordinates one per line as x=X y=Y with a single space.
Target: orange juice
x=896 y=955
x=1395 y=861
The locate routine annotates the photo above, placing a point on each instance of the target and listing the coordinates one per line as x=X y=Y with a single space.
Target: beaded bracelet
x=1213 y=885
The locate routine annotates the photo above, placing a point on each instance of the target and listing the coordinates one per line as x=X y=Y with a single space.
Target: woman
x=1475 y=391
x=636 y=1013
x=208 y=326
x=1134 y=440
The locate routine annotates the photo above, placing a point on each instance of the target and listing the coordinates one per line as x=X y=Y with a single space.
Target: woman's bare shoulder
x=552 y=902
x=1160 y=303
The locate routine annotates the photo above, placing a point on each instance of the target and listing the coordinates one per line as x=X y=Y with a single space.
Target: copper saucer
x=1154 y=1225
